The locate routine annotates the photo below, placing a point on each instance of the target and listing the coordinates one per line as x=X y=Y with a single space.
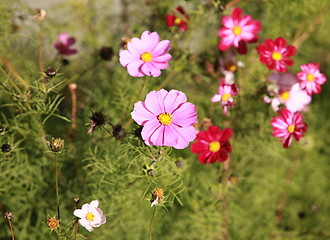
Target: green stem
x=151 y=221
x=56 y=186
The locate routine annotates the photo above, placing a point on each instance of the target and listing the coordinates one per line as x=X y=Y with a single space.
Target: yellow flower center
x=310 y=77
x=291 y=128
x=214 y=146
x=165 y=118
x=285 y=95
x=277 y=56
x=230 y=66
x=146 y=57
x=90 y=216
x=237 y=30
x=178 y=21
x=225 y=97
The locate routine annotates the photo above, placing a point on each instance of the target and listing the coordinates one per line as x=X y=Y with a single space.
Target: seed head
x=56 y=144
x=9 y=215
x=98 y=119
x=6 y=148
x=53 y=223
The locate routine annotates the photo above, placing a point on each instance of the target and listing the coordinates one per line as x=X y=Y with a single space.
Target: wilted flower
x=157 y=196
x=5 y=148
x=275 y=54
x=167 y=119
x=225 y=95
x=146 y=56
x=56 y=144
x=98 y=119
x=287 y=126
x=237 y=31
x=178 y=20
x=310 y=78
x=90 y=215
x=53 y=223
x=212 y=145
x=64 y=43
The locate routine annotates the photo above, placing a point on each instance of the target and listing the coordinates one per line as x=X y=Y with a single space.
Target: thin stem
x=56 y=186
x=76 y=225
x=11 y=230
x=151 y=221
x=40 y=52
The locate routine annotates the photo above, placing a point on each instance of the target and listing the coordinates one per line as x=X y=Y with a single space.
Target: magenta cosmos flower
x=146 y=56
x=212 y=145
x=237 y=31
x=225 y=95
x=287 y=126
x=275 y=54
x=64 y=43
x=311 y=78
x=167 y=119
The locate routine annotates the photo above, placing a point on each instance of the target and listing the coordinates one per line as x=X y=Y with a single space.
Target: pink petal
x=159 y=65
x=185 y=135
x=141 y=114
x=162 y=48
x=170 y=136
x=173 y=99
x=162 y=58
x=157 y=137
x=185 y=115
x=149 y=129
x=150 y=40
x=125 y=57
x=155 y=101
x=134 y=70
x=136 y=47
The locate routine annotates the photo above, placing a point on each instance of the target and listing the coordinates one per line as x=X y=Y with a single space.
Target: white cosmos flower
x=90 y=215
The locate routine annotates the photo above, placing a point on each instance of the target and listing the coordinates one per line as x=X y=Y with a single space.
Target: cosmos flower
x=167 y=119
x=238 y=30
x=178 y=20
x=287 y=126
x=225 y=95
x=90 y=215
x=64 y=43
x=212 y=145
x=310 y=78
x=146 y=56
x=294 y=99
x=275 y=54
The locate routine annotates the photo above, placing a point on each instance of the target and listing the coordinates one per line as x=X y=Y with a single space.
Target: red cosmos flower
x=212 y=145
x=275 y=54
x=311 y=78
x=179 y=21
x=288 y=125
x=237 y=31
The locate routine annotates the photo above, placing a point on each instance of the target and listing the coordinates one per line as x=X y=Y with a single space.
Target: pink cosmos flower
x=294 y=99
x=167 y=119
x=64 y=43
x=275 y=54
x=225 y=95
x=288 y=125
x=178 y=21
x=237 y=31
x=311 y=78
x=146 y=56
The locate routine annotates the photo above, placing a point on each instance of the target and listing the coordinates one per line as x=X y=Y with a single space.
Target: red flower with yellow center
x=212 y=145
x=178 y=19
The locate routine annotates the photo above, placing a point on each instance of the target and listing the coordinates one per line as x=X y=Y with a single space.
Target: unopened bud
x=56 y=144
x=6 y=148
x=50 y=72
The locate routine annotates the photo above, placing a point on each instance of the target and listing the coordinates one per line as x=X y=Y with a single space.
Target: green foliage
x=268 y=193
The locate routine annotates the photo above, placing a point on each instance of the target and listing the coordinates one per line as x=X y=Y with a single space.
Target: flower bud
x=53 y=223
x=106 y=53
x=50 y=72
x=56 y=144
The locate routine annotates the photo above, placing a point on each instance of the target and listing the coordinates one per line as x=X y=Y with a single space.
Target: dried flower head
x=106 y=53
x=98 y=119
x=56 y=144
x=157 y=196
x=9 y=215
x=40 y=14
x=53 y=223
x=6 y=148
x=76 y=200
x=118 y=132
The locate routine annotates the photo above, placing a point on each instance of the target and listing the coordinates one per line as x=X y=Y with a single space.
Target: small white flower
x=90 y=215
x=155 y=202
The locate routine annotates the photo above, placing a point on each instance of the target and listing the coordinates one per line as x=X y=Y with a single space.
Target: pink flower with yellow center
x=225 y=95
x=64 y=43
x=275 y=54
x=287 y=126
x=212 y=145
x=238 y=30
x=167 y=119
x=90 y=215
x=310 y=78
x=146 y=56
x=294 y=99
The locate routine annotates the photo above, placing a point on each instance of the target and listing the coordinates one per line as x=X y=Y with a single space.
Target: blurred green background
x=268 y=193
